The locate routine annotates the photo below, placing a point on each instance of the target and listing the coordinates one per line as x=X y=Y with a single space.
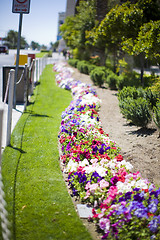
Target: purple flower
x=121 y=210
x=151 y=188
x=114 y=180
x=95 y=149
x=139 y=197
x=152 y=207
x=95 y=175
x=153 y=225
x=156 y=193
x=68 y=146
x=128 y=196
x=136 y=189
x=105 y=235
x=101 y=150
x=132 y=205
x=74 y=191
x=141 y=212
x=82 y=177
x=121 y=199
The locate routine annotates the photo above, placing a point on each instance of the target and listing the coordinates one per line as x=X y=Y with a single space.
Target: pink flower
x=103 y=184
x=104 y=224
x=112 y=193
x=93 y=187
x=87 y=194
x=87 y=186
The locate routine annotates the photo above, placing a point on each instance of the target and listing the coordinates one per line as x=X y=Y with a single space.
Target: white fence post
x=10 y=105
x=3 y=212
x=25 y=86
x=1 y=122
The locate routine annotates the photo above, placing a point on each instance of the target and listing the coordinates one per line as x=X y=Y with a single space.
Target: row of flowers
x=125 y=206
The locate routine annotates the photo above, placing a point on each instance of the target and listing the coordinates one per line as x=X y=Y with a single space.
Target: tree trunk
x=101 y=53
x=142 y=67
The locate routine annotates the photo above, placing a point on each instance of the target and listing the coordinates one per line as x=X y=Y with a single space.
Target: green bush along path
x=38 y=202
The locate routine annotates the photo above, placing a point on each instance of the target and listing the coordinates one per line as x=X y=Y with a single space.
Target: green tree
x=35 y=45
x=75 y=28
x=53 y=46
x=12 y=38
x=69 y=32
x=146 y=45
x=121 y=22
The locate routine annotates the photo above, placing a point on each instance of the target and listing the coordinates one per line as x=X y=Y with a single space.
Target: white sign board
x=21 y=6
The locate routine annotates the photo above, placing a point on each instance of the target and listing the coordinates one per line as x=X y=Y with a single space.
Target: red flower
x=150 y=214
x=119 y=158
x=80 y=169
x=121 y=178
x=145 y=190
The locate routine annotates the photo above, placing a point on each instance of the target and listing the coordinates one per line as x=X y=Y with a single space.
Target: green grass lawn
x=41 y=54
x=38 y=202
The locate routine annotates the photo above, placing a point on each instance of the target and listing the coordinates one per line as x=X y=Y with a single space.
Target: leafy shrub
x=156 y=87
x=76 y=54
x=136 y=111
x=109 y=63
x=73 y=62
x=82 y=67
x=111 y=80
x=128 y=79
x=151 y=97
x=91 y=67
x=97 y=75
x=107 y=72
x=156 y=115
x=130 y=92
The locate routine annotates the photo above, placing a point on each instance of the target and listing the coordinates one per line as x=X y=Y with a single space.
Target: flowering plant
x=125 y=206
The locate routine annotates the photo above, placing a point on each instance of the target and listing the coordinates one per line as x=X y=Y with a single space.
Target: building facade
x=61 y=18
x=70 y=7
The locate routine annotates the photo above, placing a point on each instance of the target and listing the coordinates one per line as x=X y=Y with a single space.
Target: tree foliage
x=131 y=27
x=69 y=32
x=75 y=28
x=35 y=45
x=12 y=39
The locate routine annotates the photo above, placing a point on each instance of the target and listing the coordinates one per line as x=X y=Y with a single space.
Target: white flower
x=71 y=166
x=123 y=187
x=111 y=164
x=84 y=163
x=141 y=184
x=127 y=165
x=90 y=169
x=101 y=171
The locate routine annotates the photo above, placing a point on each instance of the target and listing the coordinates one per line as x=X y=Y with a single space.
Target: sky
x=40 y=25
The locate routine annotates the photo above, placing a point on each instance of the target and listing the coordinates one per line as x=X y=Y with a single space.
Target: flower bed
x=125 y=206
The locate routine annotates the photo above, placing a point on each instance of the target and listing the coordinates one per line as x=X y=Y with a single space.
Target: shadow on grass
x=18 y=149
x=33 y=114
x=30 y=103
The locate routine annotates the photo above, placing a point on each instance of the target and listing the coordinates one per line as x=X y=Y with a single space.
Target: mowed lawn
x=38 y=202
